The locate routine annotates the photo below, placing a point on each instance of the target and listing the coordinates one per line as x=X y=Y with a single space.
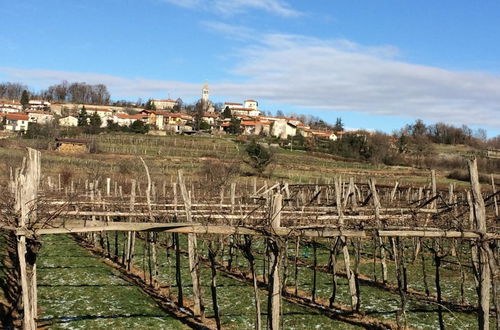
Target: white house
x=232 y=105
x=16 y=122
x=69 y=121
x=283 y=129
x=38 y=105
x=256 y=127
x=167 y=104
x=124 y=119
x=250 y=104
x=7 y=106
x=248 y=108
x=40 y=117
x=249 y=112
x=210 y=118
x=103 y=113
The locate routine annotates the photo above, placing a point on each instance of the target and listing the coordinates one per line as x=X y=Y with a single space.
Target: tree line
x=77 y=92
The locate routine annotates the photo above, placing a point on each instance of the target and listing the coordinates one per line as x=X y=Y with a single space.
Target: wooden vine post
x=192 y=254
x=26 y=194
x=275 y=255
x=378 y=243
x=479 y=212
x=345 y=251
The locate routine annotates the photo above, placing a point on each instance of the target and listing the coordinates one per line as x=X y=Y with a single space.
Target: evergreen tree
x=226 y=113
x=94 y=124
x=83 y=117
x=339 y=125
x=258 y=156
x=150 y=105
x=139 y=127
x=25 y=99
x=234 y=126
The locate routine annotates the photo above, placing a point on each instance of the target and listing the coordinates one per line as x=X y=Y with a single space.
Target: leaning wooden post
x=274 y=300
x=193 y=256
x=379 y=242
x=26 y=194
x=130 y=234
x=151 y=236
x=345 y=250
x=484 y=269
x=494 y=193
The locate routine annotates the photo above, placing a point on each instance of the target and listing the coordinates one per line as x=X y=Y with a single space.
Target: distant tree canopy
x=12 y=91
x=442 y=133
x=77 y=92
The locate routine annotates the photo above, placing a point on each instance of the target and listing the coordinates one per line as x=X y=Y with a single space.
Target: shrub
x=259 y=157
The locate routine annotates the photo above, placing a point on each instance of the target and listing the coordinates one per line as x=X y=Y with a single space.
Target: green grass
x=77 y=291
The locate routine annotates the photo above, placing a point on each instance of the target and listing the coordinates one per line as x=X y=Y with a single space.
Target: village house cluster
x=251 y=119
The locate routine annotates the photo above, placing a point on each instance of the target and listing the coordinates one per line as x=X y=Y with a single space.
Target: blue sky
x=377 y=64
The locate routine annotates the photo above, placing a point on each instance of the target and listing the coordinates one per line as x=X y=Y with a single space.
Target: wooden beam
x=196 y=228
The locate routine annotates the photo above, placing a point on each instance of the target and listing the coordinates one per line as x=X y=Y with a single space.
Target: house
x=250 y=104
x=16 y=122
x=124 y=119
x=283 y=128
x=167 y=104
x=325 y=135
x=247 y=108
x=103 y=113
x=250 y=112
x=256 y=127
x=10 y=106
x=68 y=121
x=232 y=105
x=210 y=118
x=38 y=105
x=40 y=117
x=171 y=121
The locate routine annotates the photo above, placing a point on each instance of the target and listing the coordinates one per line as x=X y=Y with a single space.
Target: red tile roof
x=127 y=116
x=16 y=116
x=254 y=123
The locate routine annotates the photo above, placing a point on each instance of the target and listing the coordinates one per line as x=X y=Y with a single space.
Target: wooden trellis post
x=345 y=250
x=193 y=256
x=274 y=301
x=479 y=212
x=26 y=194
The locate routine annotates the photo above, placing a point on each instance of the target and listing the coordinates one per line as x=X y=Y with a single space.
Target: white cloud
x=327 y=75
x=232 y=7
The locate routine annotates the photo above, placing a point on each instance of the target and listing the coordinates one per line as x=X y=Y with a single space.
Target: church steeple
x=205 y=93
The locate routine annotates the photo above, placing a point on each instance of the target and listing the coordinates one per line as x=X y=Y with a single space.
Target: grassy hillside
x=119 y=155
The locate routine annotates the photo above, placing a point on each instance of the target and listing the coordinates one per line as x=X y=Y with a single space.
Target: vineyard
x=186 y=250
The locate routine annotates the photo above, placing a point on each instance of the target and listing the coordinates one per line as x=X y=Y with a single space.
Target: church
x=205 y=100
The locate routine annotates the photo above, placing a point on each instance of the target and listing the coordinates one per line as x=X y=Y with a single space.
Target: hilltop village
x=163 y=116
